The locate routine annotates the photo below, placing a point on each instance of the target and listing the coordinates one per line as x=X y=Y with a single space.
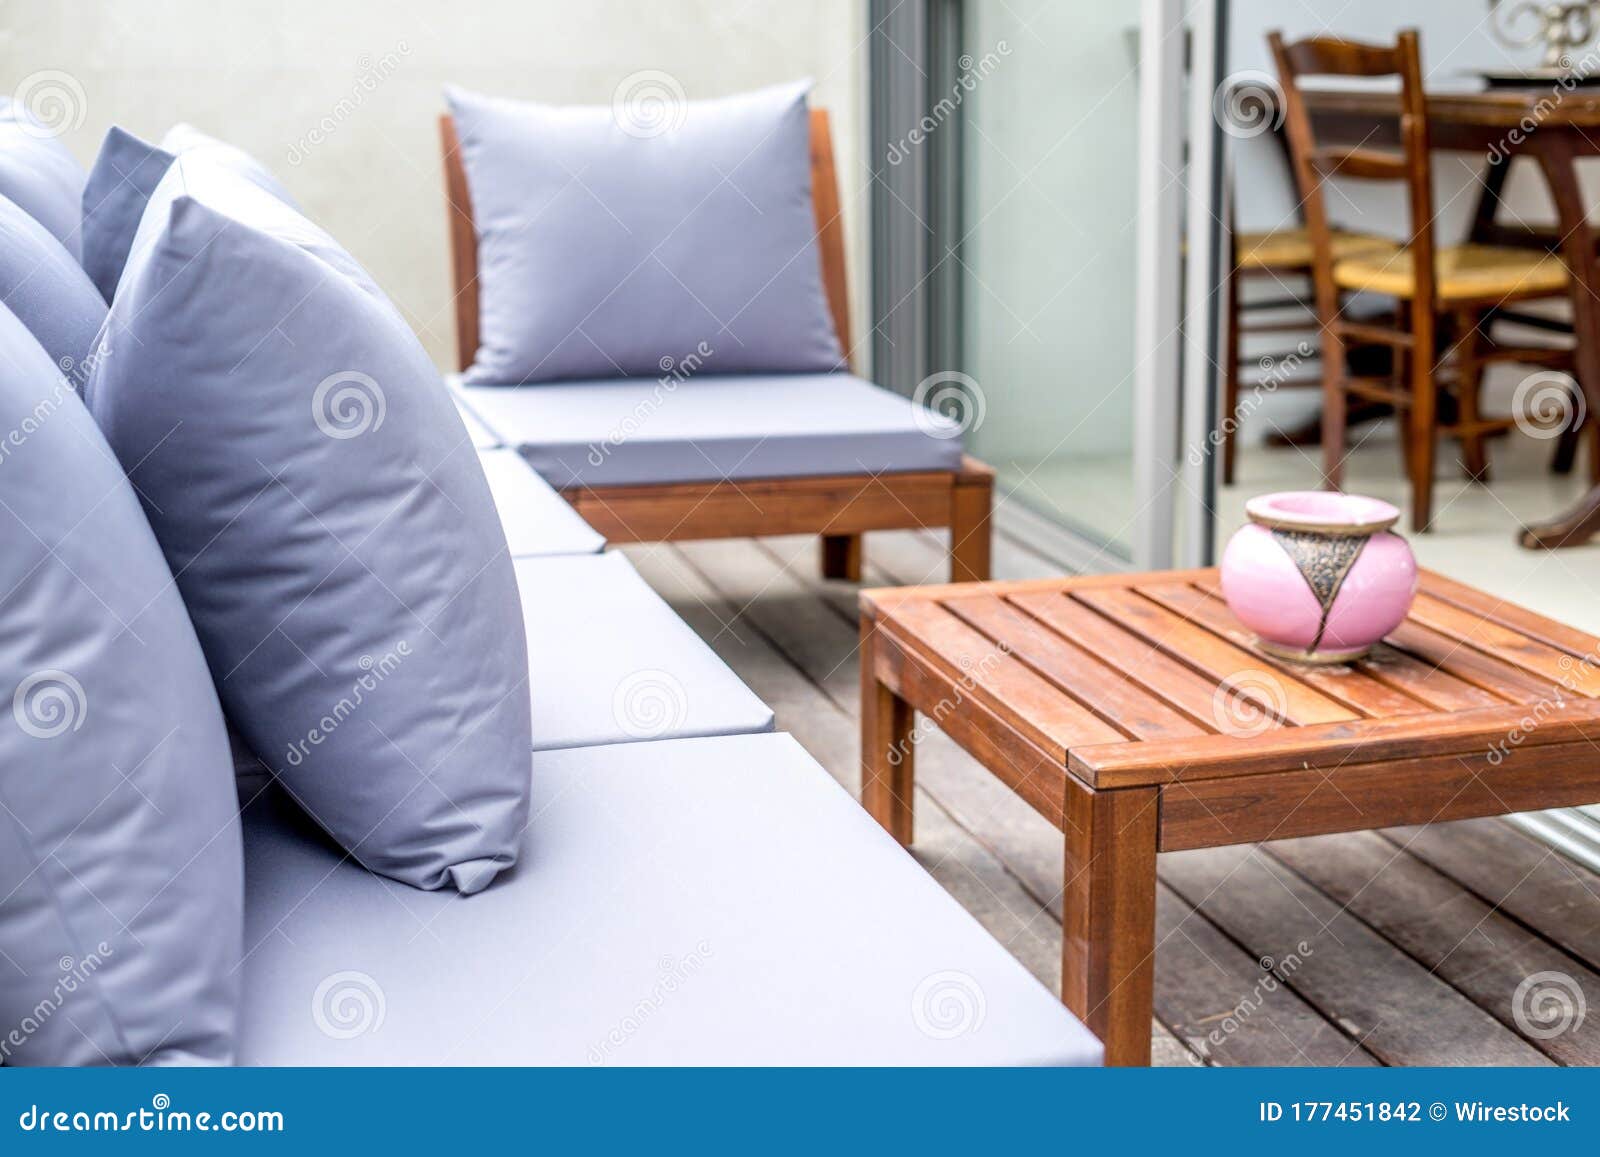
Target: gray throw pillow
x=126 y=171
x=121 y=877
x=39 y=174
x=48 y=291
x=605 y=246
x=330 y=528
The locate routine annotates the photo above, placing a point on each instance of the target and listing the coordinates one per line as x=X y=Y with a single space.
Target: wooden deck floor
x=1401 y=947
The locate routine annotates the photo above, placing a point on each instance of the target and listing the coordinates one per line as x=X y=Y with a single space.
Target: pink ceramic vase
x=1317 y=575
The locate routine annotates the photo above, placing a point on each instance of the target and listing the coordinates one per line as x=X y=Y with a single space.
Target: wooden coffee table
x=1133 y=713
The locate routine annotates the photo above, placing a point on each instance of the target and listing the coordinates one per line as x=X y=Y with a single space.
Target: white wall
x=271 y=75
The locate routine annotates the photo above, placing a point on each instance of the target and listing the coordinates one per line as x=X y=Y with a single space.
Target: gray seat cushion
x=699 y=902
x=482 y=437
x=627 y=432
x=605 y=246
x=612 y=663
x=538 y=521
x=328 y=523
x=120 y=871
x=39 y=173
x=48 y=291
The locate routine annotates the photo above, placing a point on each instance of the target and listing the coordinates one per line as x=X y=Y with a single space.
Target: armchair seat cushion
x=612 y=662
x=696 y=902
x=538 y=521
x=628 y=432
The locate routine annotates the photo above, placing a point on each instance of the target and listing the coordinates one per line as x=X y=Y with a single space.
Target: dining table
x=1554 y=125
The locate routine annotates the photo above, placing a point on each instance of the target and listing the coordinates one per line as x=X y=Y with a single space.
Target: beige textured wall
x=339 y=97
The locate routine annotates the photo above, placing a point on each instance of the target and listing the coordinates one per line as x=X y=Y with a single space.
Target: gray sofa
x=693 y=888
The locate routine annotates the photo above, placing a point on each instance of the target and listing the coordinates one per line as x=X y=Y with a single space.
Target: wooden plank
x=1431 y=789
x=1494 y=676
x=1421 y=679
x=1213 y=656
x=1579 y=644
x=833 y=504
x=1518 y=649
x=830 y=229
x=1332 y=745
x=1186 y=690
x=1349 y=685
x=1005 y=588
x=1232 y=1008
x=1110 y=693
x=1025 y=702
x=1520 y=876
x=1482 y=953
x=1354 y=977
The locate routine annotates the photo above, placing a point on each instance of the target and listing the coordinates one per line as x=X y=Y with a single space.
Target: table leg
x=1558 y=162
x=1109 y=917
x=886 y=753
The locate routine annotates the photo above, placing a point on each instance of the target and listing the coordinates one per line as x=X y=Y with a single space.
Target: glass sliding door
x=1049 y=256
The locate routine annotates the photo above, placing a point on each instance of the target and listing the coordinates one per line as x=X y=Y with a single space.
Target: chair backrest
x=1316 y=160
x=464 y=237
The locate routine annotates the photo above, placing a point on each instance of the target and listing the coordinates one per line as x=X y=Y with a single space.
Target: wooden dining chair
x=1444 y=294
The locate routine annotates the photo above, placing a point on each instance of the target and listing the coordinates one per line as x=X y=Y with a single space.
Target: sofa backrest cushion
x=39 y=174
x=47 y=290
x=610 y=239
x=125 y=172
x=331 y=531
x=120 y=857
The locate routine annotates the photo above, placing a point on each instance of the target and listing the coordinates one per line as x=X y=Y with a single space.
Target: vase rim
x=1322 y=511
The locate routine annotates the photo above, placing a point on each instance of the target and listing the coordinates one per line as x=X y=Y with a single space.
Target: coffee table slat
x=1350 y=685
x=1495 y=676
x=1028 y=701
x=1214 y=656
x=1181 y=687
x=1579 y=644
x=1530 y=654
x=1108 y=692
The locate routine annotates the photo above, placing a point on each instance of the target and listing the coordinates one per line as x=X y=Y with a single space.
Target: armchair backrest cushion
x=330 y=528
x=120 y=857
x=612 y=238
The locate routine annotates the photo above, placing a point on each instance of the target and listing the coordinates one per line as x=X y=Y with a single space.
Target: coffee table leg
x=886 y=754
x=1109 y=917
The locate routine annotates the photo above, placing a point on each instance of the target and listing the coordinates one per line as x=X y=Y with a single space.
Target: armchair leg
x=841 y=557
x=971 y=500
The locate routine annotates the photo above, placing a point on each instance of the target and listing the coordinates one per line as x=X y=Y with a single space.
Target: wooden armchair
x=837 y=507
